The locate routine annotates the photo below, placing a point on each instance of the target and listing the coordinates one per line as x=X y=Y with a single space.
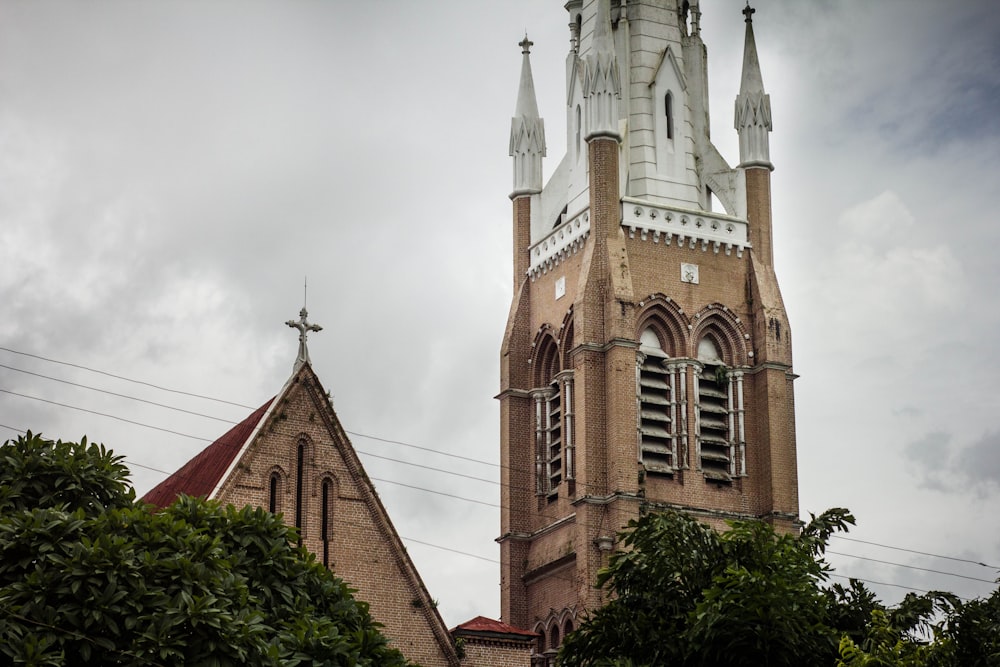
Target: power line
x=198 y=414
x=498 y=506
x=914 y=551
x=104 y=414
x=111 y=393
x=126 y=379
x=361 y=435
x=910 y=567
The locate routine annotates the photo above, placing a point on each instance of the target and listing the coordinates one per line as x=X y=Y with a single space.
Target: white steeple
x=601 y=79
x=753 y=106
x=527 y=132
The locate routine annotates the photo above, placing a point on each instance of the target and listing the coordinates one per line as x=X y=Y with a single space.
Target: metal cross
x=525 y=44
x=749 y=12
x=304 y=328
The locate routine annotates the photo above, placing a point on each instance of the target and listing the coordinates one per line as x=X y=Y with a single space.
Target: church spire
x=753 y=105
x=527 y=131
x=601 y=80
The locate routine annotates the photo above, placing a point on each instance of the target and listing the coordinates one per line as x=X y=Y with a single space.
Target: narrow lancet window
x=325 y=519
x=299 y=477
x=272 y=494
x=668 y=110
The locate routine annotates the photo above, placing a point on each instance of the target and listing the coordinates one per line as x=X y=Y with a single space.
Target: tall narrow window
x=325 y=520
x=553 y=431
x=579 y=132
x=299 y=477
x=668 y=109
x=716 y=455
x=549 y=468
x=272 y=494
x=655 y=391
x=548 y=438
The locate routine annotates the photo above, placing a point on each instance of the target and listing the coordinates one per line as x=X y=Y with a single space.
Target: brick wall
x=363 y=547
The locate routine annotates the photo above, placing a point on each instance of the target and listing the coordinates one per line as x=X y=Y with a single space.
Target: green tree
x=88 y=576
x=685 y=594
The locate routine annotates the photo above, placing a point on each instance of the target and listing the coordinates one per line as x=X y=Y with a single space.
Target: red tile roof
x=483 y=624
x=199 y=476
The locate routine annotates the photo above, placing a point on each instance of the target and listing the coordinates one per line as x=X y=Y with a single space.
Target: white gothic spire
x=753 y=105
x=527 y=131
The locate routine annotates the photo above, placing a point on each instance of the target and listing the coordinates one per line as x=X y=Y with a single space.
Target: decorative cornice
x=658 y=223
x=564 y=241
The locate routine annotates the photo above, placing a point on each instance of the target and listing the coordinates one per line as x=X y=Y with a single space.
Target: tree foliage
x=88 y=576
x=685 y=594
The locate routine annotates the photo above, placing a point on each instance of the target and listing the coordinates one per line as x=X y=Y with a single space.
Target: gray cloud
x=172 y=171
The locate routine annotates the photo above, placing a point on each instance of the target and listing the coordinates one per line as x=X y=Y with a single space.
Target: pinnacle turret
x=753 y=105
x=527 y=131
x=601 y=79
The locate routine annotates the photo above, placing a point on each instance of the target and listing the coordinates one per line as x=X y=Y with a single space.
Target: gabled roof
x=201 y=475
x=216 y=473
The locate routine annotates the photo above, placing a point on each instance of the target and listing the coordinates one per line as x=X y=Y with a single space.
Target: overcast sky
x=170 y=172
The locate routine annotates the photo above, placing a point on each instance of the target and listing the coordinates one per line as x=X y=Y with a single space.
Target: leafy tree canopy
x=88 y=576
x=685 y=594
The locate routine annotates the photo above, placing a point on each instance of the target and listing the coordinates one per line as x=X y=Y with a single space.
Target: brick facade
x=725 y=331
x=293 y=454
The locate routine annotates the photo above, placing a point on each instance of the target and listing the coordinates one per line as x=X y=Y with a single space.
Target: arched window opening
x=272 y=494
x=656 y=381
x=299 y=478
x=548 y=397
x=668 y=110
x=540 y=642
x=714 y=415
x=325 y=531
x=554 y=638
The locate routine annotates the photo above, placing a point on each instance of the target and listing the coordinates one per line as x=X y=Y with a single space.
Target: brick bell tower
x=647 y=357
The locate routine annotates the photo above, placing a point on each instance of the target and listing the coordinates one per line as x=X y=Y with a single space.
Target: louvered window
x=714 y=415
x=553 y=430
x=548 y=433
x=656 y=405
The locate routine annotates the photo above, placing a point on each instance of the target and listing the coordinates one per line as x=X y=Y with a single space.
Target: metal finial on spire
x=525 y=44
x=304 y=328
x=748 y=12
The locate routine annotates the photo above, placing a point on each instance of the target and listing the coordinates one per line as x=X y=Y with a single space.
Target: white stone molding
x=664 y=224
x=740 y=422
x=562 y=242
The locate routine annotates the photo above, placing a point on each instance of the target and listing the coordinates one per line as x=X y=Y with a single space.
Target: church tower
x=646 y=362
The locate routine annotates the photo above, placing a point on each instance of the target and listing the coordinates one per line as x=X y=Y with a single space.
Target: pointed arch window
x=668 y=110
x=550 y=470
x=326 y=532
x=657 y=393
x=300 y=460
x=273 y=485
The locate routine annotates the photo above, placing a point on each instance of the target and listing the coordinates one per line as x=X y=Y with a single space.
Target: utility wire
x=361 y=435
x=911 y=567
x=104 y=414
x=111 y=393
x=885 y=583
x=126 y=379
x=914 y=551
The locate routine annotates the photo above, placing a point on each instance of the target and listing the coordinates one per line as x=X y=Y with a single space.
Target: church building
x=646 y=362
x=292 y=457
